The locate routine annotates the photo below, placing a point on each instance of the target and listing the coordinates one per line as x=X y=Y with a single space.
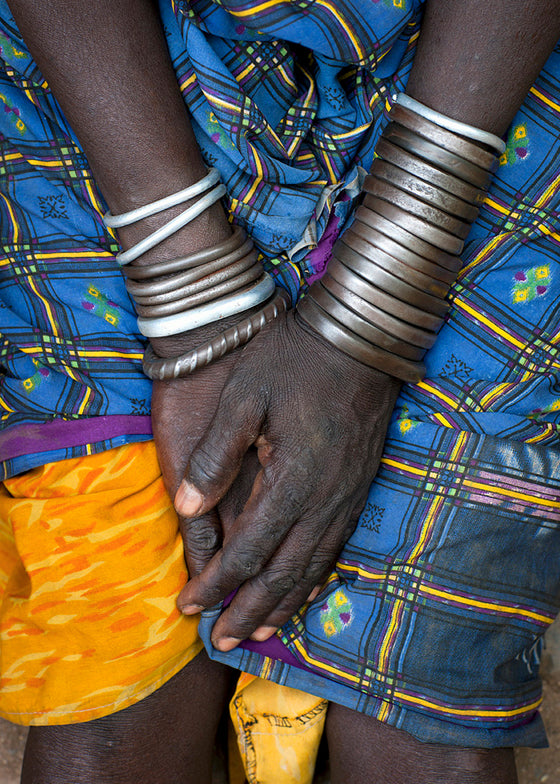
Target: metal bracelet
x=423 y=190
x=216 y=310
x=351 y=344
x=380 y=299
x=444 y=138
x=403 y=237
x=408 y=257
x=394 y=265
x=430 y=234
x=149 y=271
x=339 y=310
x=394 y=327
x=404 y=201
x=201 y=283
x=159 y=369
x=447 y=161
x=470 y=131
x=126 y=218
x=425 y=171
x=213 y=294
x=171 y=282
x=381 y=279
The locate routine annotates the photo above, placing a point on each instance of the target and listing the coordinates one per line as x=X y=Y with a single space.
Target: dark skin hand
x=486 y=57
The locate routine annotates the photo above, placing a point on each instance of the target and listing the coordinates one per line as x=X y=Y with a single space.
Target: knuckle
x=201 y=537
x=244 y=562
x=278 y=583
x=205 y=467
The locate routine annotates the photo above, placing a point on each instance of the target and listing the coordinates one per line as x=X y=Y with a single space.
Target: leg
x=390 y=756
x=166 y=738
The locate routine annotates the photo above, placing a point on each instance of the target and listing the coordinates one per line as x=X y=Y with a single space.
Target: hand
x=318 y=420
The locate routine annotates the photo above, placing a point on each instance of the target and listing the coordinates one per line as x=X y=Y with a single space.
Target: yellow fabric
x=278 y=731
x=91 y=563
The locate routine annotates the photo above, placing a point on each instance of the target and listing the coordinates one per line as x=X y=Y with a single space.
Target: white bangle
x=470 y=131
x=126 y=256
x=206 y=314
x=126 y=218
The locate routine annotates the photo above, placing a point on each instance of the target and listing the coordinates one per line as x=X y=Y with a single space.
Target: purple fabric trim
x=274 y=648
x=62 y=434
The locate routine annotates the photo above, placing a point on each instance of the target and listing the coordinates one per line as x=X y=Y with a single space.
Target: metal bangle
x=205 y=314
x=159 y=369
x=200 y=283
x=381 y=279
x=470 y=131
x=340 y=337
x=380 y=299
x=209 y=295
x=444 y=138
x=362 y=327
x=404 y=201
x=149 y=271
x=425 y=231
x=390 y=326
x=394 y=265
x=126 y=218
x=408 y=257
x=446 y=160
x=429 y=193
x=153 y=239
x=425 y=171
x=403 y=237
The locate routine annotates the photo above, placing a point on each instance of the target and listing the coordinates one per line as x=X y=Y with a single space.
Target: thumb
x=217 y=458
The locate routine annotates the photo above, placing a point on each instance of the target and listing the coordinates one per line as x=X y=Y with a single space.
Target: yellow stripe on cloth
x=91 y=562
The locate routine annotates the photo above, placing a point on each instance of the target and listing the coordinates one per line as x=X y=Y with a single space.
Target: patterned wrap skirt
x=432 y=620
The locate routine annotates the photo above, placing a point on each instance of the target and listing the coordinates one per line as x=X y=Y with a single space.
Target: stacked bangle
x=384 y=296
x=179 y=295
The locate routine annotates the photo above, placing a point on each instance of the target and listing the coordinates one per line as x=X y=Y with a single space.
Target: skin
x=271 y=459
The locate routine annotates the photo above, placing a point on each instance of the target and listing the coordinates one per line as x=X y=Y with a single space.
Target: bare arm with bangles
x=314 y=415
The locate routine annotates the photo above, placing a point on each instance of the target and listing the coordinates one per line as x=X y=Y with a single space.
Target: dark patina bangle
x=380 y=299
x=390 y=325
x=431 y=194
x=139 y=272
x=431 y=174
x=437 y=156
x=444 y=138
x=420 y=209
x=394 y=265
x=408 y=257
x=351 y=344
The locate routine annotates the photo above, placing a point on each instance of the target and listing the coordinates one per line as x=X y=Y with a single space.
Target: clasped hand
x=291 y=432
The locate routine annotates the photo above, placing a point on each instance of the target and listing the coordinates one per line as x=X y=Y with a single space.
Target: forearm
x=477 y=60
x=108 y=66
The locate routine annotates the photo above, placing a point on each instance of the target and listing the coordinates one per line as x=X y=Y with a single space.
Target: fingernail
x=188 y=500
x=314 y=593
x=227 y=643
x=191 y=609
x=263 y=633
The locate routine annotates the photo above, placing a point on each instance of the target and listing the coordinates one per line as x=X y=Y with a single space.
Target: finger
x=216 y=459
x=273 y=596
x=277 y=501
x=202 y=538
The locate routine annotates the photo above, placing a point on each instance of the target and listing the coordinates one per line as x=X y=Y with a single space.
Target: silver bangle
x=470 y=131
x=149 y=242
x=126 y=218
x=206 y=314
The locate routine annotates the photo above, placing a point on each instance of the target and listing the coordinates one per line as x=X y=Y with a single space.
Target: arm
x=476 y=63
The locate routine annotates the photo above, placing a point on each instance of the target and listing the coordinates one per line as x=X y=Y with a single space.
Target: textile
x=91 y=562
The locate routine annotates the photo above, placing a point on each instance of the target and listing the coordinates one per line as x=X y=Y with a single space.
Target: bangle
x=355 y=346
x=126 y=218
x=443 y=137
x=126 y=256
x=160 y=369
x=436 y=197
x=206 y=314
x=470 y=131
x=431 y=174
x=156 y=270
